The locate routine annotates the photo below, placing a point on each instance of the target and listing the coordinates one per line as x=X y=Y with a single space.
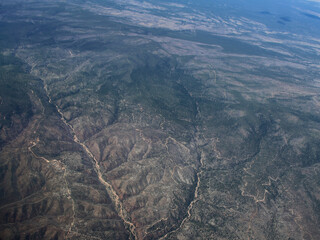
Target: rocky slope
x=135 y=132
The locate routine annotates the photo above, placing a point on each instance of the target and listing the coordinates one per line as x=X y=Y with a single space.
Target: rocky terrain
x=138 y=120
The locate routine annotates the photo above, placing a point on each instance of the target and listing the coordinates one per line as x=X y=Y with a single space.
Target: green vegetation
x=14 y=99
x=158 y=89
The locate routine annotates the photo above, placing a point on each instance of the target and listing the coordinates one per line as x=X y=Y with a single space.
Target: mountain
x=159 y=120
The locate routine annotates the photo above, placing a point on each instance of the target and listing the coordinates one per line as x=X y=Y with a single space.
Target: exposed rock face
x=130 y=132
